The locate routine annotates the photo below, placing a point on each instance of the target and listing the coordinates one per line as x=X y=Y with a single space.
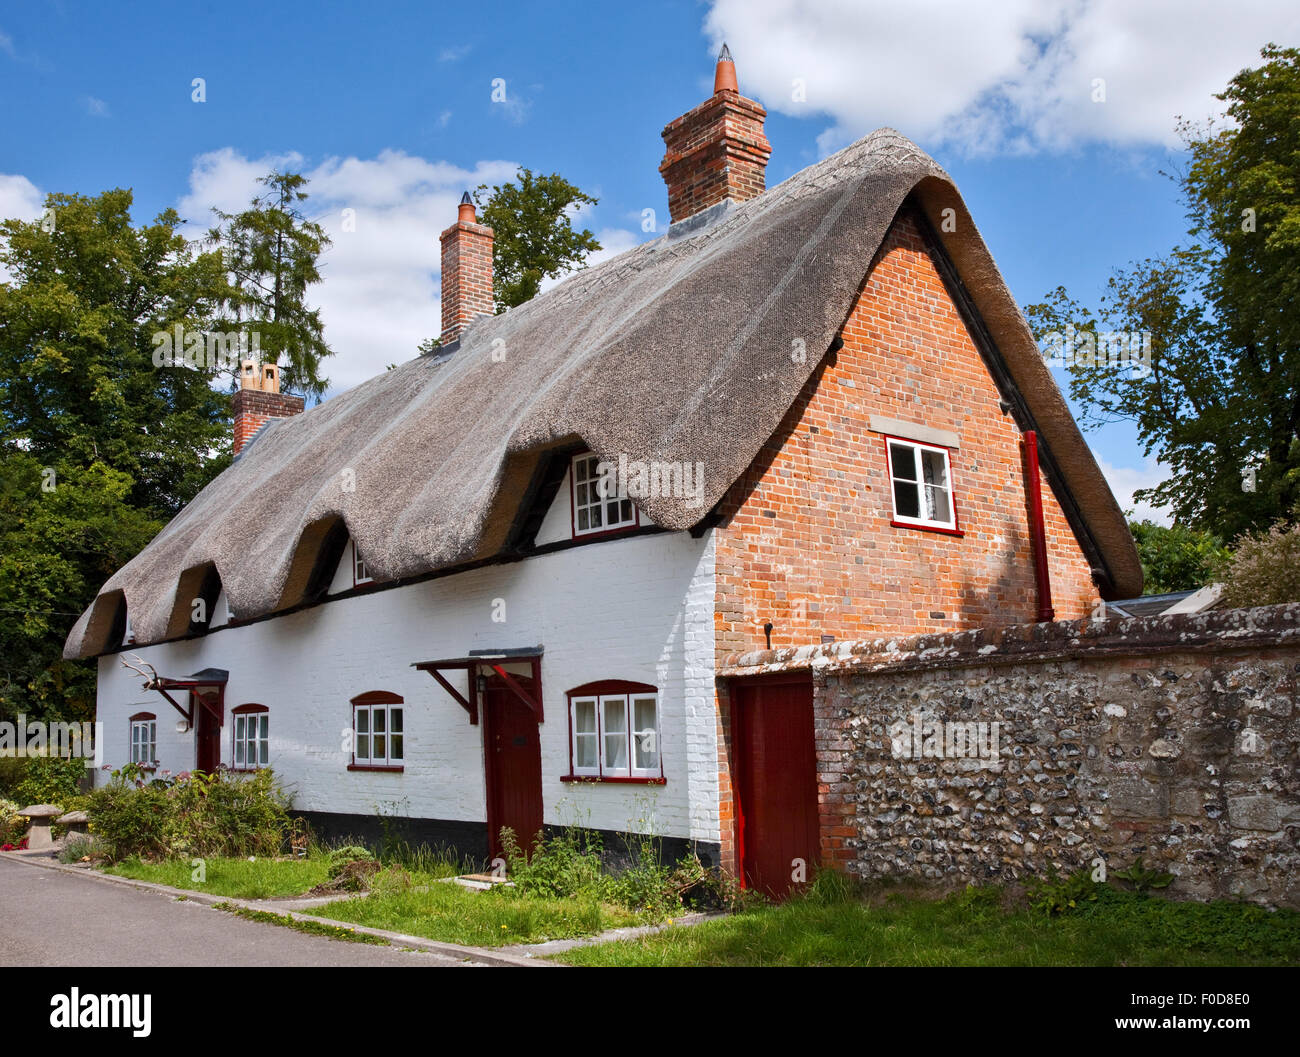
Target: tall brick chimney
x=259 y=400
x=718 y=151
x=466 y=271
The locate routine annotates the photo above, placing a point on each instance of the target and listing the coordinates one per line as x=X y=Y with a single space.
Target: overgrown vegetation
x=192 y=815
x=571 y=864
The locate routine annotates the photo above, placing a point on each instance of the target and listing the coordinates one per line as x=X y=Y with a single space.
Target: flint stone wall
x=1170 y=738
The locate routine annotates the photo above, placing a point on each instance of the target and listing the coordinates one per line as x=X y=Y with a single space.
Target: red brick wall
x=806 y=540
x=253 y=409
x=715 y=152
x=466 y=277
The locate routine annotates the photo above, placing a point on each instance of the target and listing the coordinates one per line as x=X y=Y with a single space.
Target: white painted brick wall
x=639 y=608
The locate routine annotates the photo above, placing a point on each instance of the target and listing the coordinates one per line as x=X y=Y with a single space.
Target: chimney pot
x=718 y=151
x=724 y=77
x=258 y=400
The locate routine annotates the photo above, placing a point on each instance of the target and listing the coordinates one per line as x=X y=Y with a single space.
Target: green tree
x=531 y=219
x=87 y=296
x=64 y=529
x=271 y=251
x=1220 y=403
x=1176 y=558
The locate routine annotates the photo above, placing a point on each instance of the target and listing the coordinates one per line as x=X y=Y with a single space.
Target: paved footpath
x=53 y=917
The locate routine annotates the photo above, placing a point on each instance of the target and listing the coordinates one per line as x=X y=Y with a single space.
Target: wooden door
x=207 y=732
x=776 y=783
x=513 y=764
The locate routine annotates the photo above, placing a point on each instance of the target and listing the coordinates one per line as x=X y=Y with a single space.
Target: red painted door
x=776 y=783
x=513 y=764
x=207 y=732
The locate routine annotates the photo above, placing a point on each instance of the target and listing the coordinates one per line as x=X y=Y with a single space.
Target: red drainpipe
x=1037 y=534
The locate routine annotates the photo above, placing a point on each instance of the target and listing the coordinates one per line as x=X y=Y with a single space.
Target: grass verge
x=237 y=878
x=969 y=928
x=496 y=918
x=314 y=928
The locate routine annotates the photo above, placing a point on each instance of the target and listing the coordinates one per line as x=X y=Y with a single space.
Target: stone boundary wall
x=1173 y=739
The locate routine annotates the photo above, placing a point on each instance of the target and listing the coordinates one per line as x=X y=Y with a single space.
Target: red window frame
x=943 y=530
x=245 y=710
x=588 y=534
x=368 y=700
x=611 y=688
x=142 y=717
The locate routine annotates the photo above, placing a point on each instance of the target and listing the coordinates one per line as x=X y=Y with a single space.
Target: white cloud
x=379 y=296
x=454 y=53
x=20 y=199
x=7 y=45
x=1125 y=480
x=1013 y=76
x=96 y=107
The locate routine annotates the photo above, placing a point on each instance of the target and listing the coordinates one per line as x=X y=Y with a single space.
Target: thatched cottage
x=497 y=585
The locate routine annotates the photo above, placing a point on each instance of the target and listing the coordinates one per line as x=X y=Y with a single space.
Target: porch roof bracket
x=518 y=690
x=172 y=701
x=469 y=706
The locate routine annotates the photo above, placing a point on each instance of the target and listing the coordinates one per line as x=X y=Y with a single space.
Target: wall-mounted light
x=182 y=726
x=481 y=683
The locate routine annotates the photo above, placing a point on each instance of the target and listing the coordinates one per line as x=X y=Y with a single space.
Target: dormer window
x=600 y=502
x=359 y=574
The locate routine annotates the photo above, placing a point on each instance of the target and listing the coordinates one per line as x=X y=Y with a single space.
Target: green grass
x=970 y=928
x=237 y=878
x=453 y=914
x=314 y=928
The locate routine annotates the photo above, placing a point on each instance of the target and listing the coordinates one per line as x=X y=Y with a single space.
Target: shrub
x=12 y=825
x=339 y=858
x=223 y=815
x=131 y=820
x=50 y=780
x=565 y=865
x=197 y=814
x=570 y=865
x=1264 y=570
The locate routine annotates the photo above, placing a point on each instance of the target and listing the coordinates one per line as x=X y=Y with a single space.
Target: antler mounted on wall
x=150 y=676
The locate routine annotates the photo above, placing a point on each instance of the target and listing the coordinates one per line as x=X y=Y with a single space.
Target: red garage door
x=776 y=782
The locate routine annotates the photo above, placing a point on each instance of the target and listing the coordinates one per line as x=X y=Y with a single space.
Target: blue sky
x=388 y=108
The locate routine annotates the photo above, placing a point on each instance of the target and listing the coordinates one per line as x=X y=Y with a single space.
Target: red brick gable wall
x=806 y=541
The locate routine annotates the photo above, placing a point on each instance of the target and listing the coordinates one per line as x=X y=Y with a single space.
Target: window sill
x=929 y=528
x=376 y=767
x=597 y=779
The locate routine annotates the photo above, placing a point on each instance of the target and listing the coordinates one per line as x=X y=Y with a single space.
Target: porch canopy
x=208 y=688
x=495 y=660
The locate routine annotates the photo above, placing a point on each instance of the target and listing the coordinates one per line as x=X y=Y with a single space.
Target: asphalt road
x=49 y=917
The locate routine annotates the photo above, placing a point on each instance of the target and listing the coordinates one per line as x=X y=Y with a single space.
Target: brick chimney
x=718 y=151
x=259 y=400
x=466 y=271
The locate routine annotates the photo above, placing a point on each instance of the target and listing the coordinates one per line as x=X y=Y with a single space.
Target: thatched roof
x=677 y=350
